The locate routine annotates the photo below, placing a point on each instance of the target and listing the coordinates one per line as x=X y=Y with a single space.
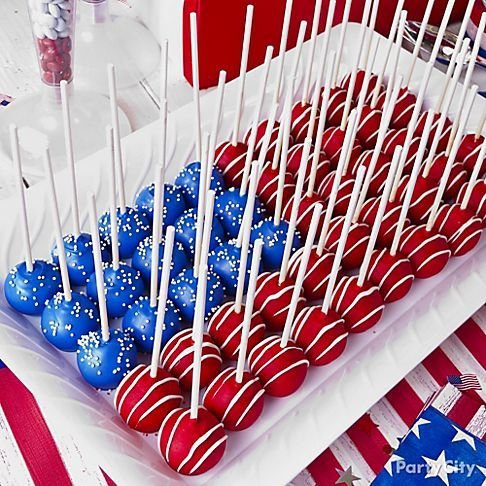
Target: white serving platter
x=292 y=431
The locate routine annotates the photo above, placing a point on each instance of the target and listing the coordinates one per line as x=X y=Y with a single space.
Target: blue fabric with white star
x=436 y=451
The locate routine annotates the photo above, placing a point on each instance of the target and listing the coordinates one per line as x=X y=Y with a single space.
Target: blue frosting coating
x=140 y=322
x=185 y=232
x=79 y=257
x=274 y=238
x=104 y=364
x=225 y=262
x=122 y=287
x=182 y=291
x=230 y=207
x=64 y=322
x=133 y=227
x=188 y=182
x=28 y=292
x=142 y=258
x=174 y=203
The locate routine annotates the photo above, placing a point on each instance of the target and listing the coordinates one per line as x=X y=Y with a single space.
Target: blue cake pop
x=133 y=227
x=225 y=262
x=103 y=364
x=28 y=292
x=142 y=258
x=188 y=182
x=183 y=288
x=123 y=287
x=79 y=257
x=185 y=232
x=64 y=322
x=274 y=238
x=174 y=203
x=230 y=208
x=140 y=322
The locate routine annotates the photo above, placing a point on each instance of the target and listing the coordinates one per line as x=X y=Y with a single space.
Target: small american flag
x=5 y=99
x=465 y=382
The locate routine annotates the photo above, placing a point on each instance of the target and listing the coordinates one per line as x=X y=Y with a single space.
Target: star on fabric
x=460 y=435
x=346 y=477
x=389 y=465
x=415 y=429
x=482 y=469
x=439 y=468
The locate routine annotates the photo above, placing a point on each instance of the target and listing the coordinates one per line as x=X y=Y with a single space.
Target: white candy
x=61 y=25
x=66 y=15
x=65 y=5
x=47 y=20
x=56 y=2
x=54 y=10
x=50 y=33
x=64 y=33
x=38 y=31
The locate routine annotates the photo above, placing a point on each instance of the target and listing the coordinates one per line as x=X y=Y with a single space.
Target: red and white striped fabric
x=367 y=445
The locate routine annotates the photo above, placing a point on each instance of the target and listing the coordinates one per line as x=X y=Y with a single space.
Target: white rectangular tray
x=292 y=431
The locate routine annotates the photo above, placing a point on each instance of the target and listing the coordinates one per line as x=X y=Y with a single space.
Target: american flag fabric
x=436 y=451
x=465 y=382
x=359 y=455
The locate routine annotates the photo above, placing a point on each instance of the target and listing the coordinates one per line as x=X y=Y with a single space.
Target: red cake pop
x=469 y=150
x=306 y=206
x=192 y=446
x=260 y=133
x=323 y=337
x=402 y=112
x=445 y=132
x=380 y=172
x=143 y=402
x=337 y=102
x=392 y=274
x=295 y=156
x=423 y=196
x=360 y=75
x=332 y=144
x=267 y=188
x=345 y=188
x=301 y=113
x=461 y=227
x=230 y=160
x=369 y=126
x=396 y=138
x=477 y=200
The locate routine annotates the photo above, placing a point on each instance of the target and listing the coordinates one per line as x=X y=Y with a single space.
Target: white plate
x=292 y=431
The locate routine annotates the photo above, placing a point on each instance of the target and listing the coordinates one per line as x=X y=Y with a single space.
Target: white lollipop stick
x=480 y=127
x=342 y=240
x=14 y=143
x=163 y=132
x=217 y=117
x=457 y=48
x=256 y=119
x=197 y=336
x=411 y=184
x=389 y=46
x=467 y=78
x=164 y=286
x=385 y=123
x=201 y=202
x=195 y=83
x=474 y=176
x=443 y=117
x=268 y=135
x=321 y=125
x=208 y=225
x=282 y=48
x=451 y=159
x=164 y=61
x=354 y=72
x=244 y=237
x=363 y=271
x=243 y=68
x=418 y=42
x=156 y=231
x=283 y=159
x=348 y=141
x=295 y=209
x=363 y=61
x=310 y=61
x=298 y=49
x=68 y=141
x=442 y=28
x=394 y=65
x=117 y=137
x=342 y=37
x=250 y=298
x=309 y=243
x=100 y=283
x=115 y=250
x=57 y=226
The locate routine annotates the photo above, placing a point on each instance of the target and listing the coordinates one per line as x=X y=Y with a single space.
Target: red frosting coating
x=300 y=121
x=469 y=151
x=345 y=190
x=332 y=144
x=267 y=187
x=360 y=76
x=392 y=274
x=477 y=201
x=461 y=227
x=446 y=131
x=306 y=207
x=395 y=138
x=317 y=272
x=282 y=371
x=230 y=160
x=423 y=197
x=294 y=159
x=360 y=307
x=378 y=180
x=402 y=112
x=179 y=434
x=225 y=328
x=369 y=126
x=323 y=337
x=335 y=107
x=273 y=299
x=427 y=251
x=178 y=354
x=143 y=402
x=457 y=177
x=262 y=126
x=236 y=405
